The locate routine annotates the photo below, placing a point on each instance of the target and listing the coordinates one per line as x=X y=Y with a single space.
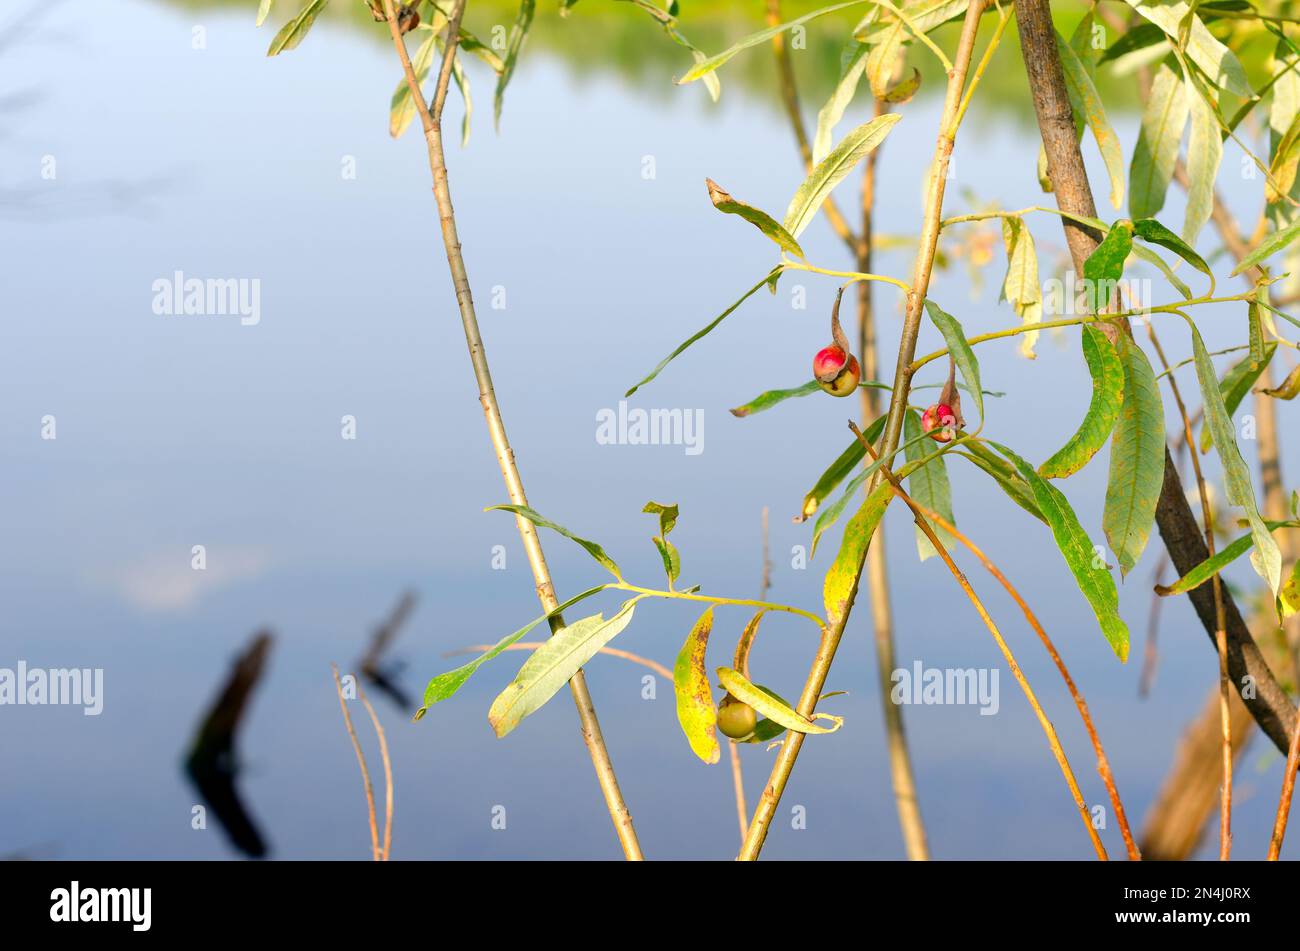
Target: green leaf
x=292 y=33
x=523 y=20
x=764 y=702
x=1236 y=383
x=1137 y=459
x=1216 y=563
x=1290 y=387
x=852 y=65
x=594 y=550
x=446 y=684
x=1153 y=232
x=1266 y=558
x=1204 y=155
x=709 y=64
x=1104 y=408
x=759 y=219
x=1005 y=475
x=1211 y=57
x=1271 y=244
x=1157 y=148
x=962 y=352
x=1282 y=169
x=402 y=108
x=839 y=470
x=831 y=170
x=1105 y=266
x=769 y=398
x=667 y=520
x=928 y=484
x=695 y=710
x=263 y=9
x=1088 y=104
x=706 y=330
x=903 y=90
x=1095 y=582
x=553 y=664
x=842 y=579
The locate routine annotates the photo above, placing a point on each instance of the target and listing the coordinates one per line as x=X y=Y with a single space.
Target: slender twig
x=790 y=99
x=923 y=523
x=933 y=209
x=1284 y=801
x=361 y=761
x=1103 y=764
x=1220 y=635
x=432 y=123
x=738 y=783
x=902 y=776
x=387 y=849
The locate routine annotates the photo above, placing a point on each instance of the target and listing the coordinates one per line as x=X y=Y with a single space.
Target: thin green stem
x=710 y=599
x=852 y=276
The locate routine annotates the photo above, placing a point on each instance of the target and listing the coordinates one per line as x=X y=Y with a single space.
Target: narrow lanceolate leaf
x=928 y=485
x=667 y=521
x=1153 y=232
x=1236 y=383
x=263 y=9
x=831 y=170
x=769 y=398
x=1211 y=56
x=853 y=62
x=922 y=16
x=759 y=219
x=1087 y=103
x=462 y=83
x=402 y=109
x=1266 y=557
x=708 y=328
x=709 y=64
x=695 y=710
x=1290 y=387
x=962 y=352
x=766 y=703
x=839 y=470
x=1107 y=397
x=444 y=685
x=1020 y=287
x=553 y=664
x=1137 y=459
x=1271 y=244
x=1204 y=154
x=293 y=32
x=594 y=550
x=1094 y=580
x=1216 y=563
x=1005 y=475
x=1158 y=143
x=841 y=580
x=523 y=20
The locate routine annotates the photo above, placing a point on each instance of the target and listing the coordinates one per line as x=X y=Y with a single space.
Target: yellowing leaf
x=695 y=710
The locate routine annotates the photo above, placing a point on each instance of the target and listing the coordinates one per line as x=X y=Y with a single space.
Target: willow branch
x=933 y=210
x=923 y=523
x=1268 y=703
x=361 y=761
x=431 y=121
x=387 y=849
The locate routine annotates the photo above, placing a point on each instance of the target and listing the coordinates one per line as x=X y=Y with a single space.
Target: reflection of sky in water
x=181 y=431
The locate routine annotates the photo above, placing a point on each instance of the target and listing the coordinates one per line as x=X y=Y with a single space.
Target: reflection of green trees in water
x=605 y=37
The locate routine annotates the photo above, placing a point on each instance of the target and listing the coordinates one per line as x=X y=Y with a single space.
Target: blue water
x=182 y=431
